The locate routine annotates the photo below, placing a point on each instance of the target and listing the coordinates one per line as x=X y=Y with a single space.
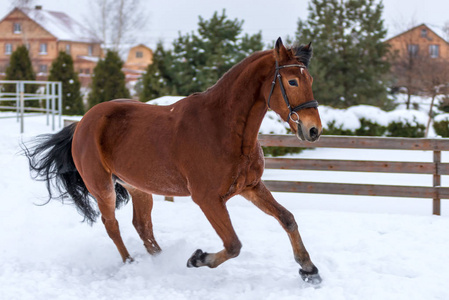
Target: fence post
x=47 y=102
x=18 y=100
x=53 y=105
x=60 y=103
x=22 y=104
x=437 y=183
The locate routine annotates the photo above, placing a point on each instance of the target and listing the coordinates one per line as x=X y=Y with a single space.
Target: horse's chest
x=248 y=172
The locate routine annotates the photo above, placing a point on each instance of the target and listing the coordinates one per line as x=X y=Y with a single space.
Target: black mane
x=303 y=53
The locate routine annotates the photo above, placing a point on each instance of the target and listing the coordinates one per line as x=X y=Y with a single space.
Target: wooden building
x=45 y=33
x=139 y=57
x=420 y=61
x=421 y=40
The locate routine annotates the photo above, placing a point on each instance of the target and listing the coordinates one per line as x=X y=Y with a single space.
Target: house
x=139 y=57
x=420 y=61
x=422 y=40
x=45 y=33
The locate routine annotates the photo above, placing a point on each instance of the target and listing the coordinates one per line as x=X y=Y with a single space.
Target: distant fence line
x=435 y=168
x=50 y=96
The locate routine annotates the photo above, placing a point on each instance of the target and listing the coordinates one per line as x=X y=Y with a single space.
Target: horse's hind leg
x=263 y=199
x=106 y=199
x=142 y=206
x=218 y=216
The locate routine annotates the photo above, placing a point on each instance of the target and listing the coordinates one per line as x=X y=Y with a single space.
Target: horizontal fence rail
x=330 y=141
x=435 y=168
x=48 y=95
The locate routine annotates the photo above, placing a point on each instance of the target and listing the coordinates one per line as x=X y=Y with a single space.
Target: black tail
x=50 y=159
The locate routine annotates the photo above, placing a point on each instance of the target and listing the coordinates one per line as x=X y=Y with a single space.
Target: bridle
x=293 y=110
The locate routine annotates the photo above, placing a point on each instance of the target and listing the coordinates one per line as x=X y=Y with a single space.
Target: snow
x=365 y=247
x=89 y=58
x=369 y=113
x=408 y=116
x=271 y=124
x=165 y=100
x=442 y=117
x=349 y=118
x=340 y=117
x=60 y=25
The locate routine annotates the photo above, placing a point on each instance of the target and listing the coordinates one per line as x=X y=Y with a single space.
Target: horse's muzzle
x=309 y=134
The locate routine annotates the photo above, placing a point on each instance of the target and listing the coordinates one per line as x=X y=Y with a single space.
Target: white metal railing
x=52 y=94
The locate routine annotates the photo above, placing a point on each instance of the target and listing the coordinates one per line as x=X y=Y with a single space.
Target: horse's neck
x=241 y=96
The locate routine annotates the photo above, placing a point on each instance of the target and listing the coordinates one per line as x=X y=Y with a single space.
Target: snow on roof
x=62 y=26
x=439 y=30
x=89 y=58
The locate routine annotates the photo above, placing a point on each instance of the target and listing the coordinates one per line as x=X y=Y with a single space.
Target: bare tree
x=435 y=79
x=446 y=31
x=99 y=18
x=116 y=22
x=406 y=67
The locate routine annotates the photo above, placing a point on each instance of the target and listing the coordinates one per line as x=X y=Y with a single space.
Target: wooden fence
x=435 y=168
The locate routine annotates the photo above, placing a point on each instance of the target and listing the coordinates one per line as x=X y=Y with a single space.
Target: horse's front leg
x=264 y=200
x=218 y=216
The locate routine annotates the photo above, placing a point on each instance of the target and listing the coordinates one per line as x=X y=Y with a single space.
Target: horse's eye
x=293 y=82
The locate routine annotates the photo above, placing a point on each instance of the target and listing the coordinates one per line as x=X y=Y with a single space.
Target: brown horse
x=204 y=146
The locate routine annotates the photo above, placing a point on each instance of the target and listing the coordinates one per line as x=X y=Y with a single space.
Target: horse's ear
x=308 y=46
x=279 y=51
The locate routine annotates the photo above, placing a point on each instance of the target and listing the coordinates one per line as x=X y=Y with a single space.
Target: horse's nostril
x=313 y=132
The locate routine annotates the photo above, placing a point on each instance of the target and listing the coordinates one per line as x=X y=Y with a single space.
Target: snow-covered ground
x=365 y=247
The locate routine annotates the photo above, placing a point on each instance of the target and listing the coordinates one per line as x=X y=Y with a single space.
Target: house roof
x=60 y=25
x=435 y=29
x=438 y=30
x=141 y=45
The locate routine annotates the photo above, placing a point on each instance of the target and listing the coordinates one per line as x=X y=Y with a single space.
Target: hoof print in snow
x=311 y=277
x=197 y=259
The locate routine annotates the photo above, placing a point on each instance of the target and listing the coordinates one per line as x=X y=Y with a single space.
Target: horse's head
x=291 y=93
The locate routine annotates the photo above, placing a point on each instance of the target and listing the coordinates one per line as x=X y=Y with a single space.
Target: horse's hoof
x=197 y=259
x=311 y=277
x=128 y=260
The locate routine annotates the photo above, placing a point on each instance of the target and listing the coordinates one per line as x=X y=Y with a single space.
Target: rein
x=293 y=110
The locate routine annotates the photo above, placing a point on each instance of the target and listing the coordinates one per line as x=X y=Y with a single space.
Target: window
x=8 y=49
x=413 y=49
x=67 y=48
x=424 y=33
x=434 y=51
x=43 y=48
x=139 y=54
x=17 y=28
x=43 y=68
x=90 y=50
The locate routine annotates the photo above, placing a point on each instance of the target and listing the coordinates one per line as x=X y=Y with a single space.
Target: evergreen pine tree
x=108 y=81
x=199 y=59
x=202 y=58
x=349 y=64
x=157 y=80
x=62 y=70
x=20 y=68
